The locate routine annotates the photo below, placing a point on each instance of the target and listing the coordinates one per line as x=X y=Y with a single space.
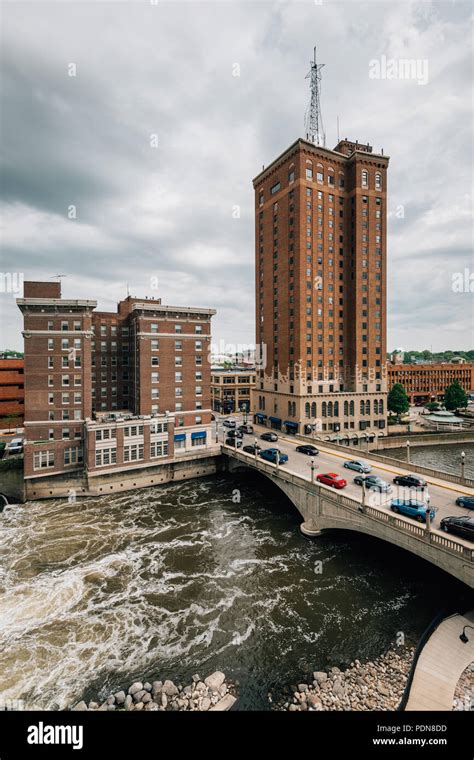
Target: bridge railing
x=398 y=522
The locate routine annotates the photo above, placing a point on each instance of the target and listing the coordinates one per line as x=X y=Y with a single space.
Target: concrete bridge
x=323 y=508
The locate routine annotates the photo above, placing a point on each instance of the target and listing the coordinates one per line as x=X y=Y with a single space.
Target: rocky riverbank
x=464 y=694
x=376 y=685
x=214 y=693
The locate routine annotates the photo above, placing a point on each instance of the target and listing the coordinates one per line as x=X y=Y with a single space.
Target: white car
x=15 y=446
x=229 y=422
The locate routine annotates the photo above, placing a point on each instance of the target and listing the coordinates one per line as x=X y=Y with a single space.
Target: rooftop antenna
x=313 y=117
x=58 y=276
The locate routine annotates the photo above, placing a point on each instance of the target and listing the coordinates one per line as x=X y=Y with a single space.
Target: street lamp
x=311 y=464
x=255 y=446
x=408 y=452
x=277 y=459
x=463 y=459
x=463 y=636
x=363 y=494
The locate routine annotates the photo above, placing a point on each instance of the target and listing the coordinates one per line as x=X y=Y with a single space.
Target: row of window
x=45 y=459
x=130 y=430
x=319 y=175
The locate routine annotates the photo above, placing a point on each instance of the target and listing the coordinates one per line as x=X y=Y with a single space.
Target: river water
x=193 y=577
x=446 y=458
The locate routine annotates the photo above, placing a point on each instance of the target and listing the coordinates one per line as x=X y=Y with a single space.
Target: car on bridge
x=331 y=479
x=358 y=465
x=311 y=451
x=373 y=482
x=235 y=442
x=246 y=428
x=235 y=434
x=229 y=422
x=411 y=481
x=252 y=448
x=270 y=455
x=461 y=526
x=269 y=437
x=412 y=508
x=465 y=501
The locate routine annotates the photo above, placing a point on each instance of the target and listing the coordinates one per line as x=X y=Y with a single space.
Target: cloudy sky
x=162 y=209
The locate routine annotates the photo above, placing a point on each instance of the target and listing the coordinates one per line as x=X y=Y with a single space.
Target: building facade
x=428 y=382
x=321 y=289
x=109 y=392
x=231 y=389
x=12 y=393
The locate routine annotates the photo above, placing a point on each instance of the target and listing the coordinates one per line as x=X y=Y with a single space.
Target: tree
x=432 y=406
x=397 y=400
x=455 y=397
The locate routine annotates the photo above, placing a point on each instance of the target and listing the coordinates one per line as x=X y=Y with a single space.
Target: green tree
x=397 y=400
x=455 y=397
x=432 y=406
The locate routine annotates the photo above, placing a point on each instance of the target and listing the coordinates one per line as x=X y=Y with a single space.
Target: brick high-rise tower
x=320 y=219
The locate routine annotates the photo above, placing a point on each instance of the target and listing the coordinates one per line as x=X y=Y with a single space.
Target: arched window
x=381 y=406
x=378 y=181
x=313 y=409
x=367 y=406
x=365 y=178
x=336 y=408
x=346 y=408
x=294 y=409
x=376 y=406
x=324 y=411
x=362 y=407
x=289 y=408
x=351 y=409
x=307 y=409
x=329 y=408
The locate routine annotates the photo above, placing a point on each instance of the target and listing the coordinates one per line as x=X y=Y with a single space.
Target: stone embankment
x=214 y=693
x=376 y=685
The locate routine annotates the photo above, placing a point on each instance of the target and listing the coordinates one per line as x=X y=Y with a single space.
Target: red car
x=332 y=479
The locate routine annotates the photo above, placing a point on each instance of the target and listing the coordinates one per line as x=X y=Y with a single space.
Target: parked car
x=311 y=451
x=229 y=422
x=234 y=434
x=235 y=442
x=331 y=479
x=358 y=465
x=373 y=482
x=269 y=437
x=251 y=448
x=15 y=446
x=411 y=481
x=270 y=455
x=248 y=429
x=461 y=526
x=465 y=501
x=412 y=508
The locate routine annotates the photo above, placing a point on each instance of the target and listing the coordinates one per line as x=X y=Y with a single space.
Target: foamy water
x=179 y=579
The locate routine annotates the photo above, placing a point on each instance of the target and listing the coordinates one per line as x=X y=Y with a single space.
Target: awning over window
x=261 y=416
x=290 y=424
x=180 y=437
x=200 y=434
x=274 y=419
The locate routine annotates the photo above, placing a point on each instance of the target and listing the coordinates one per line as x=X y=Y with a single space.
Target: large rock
x=320 y=676
x=137 y=686
x=80 y=706
x=205 y=704
x=128 y=702
x=156 y=687
x=120 y=697
x=224 y=704
x=170 y=689
x=215 y=680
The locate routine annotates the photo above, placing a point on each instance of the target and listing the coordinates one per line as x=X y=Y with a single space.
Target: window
x=50 y=362
x=64 y=325
x=158 y=448
x=73 y=455
x=133 y=453
x=309 y=173
x=178 y=345
x=105 y=457
x=103 y=329
x=43 y=459
x=178 y=328
x=378 y=181
x=365 y=178
x=291 y=176
x=178 y=377
x=155 y=345
x=50 y=344
x=155 y=361
x=154 y=328
x=275 y=188
x=155 y=377
x=65 y=344
x=198 y=329
x=198 y=345
x=319 y=177
x=50 y=326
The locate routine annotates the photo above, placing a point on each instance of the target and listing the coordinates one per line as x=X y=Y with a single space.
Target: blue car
x=465 y=501
x=270 y=455
x=412 y=508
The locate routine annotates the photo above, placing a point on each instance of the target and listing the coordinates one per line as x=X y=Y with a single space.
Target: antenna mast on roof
x=313 y=117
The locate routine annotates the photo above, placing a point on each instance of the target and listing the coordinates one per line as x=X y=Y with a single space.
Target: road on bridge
x=442 y=495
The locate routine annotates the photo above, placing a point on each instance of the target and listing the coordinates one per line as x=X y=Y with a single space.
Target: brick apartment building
x=231 y=389
x=321 y=289
x=12 y=393
x=428 y=382
x=107 y=392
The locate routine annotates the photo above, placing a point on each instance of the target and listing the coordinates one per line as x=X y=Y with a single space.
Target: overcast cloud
x=167 y=212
